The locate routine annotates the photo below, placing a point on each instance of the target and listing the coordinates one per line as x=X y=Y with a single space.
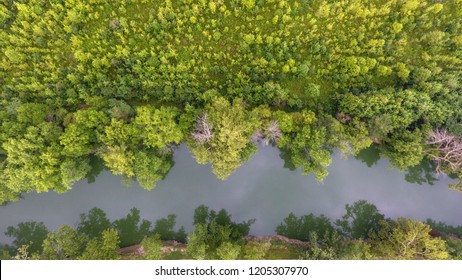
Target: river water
x=262 y=189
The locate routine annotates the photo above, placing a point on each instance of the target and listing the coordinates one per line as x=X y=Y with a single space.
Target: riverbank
x=279 y=247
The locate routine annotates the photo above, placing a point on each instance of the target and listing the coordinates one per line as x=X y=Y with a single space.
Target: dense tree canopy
x=216 y=236
x=127 y=80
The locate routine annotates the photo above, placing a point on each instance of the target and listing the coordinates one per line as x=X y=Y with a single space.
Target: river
x=260 y=189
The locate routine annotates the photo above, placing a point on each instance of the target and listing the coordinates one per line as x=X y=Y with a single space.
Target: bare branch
x=257 y=136
x=202 y=130
x=447 y=151
x=273 y=132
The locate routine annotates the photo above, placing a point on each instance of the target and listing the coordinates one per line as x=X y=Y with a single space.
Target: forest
x=362 y=233
x=87 y=85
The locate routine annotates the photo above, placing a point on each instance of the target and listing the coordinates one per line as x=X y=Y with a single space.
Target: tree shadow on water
x=97 y=165
x=30 y=233
x=369 y=156
x=131 y=228
x=424 y=173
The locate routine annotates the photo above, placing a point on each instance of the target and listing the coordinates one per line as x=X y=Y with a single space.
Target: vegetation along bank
x=123 y=82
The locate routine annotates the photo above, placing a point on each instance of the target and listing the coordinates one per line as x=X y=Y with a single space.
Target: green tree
x=152 y=246
x=32 y=114
x=105 y=248
x=212 y=241
x=5 y=252
x=73 y=170
x=233 y=127
x=120 y=110
x=405 y=149
x=407 y=239
x=317 y=250
x=65 y=243
x=454 y=248
x=255 y=250
x=158 y=127
x=151 y=166
x=80 y=137
x=34 y=160
x=119 y=140
x=216 y=236
x=303 y=143
x=197 y=242
x=203 y=215
x=124 y=155
x=228 y=251
x=7 y=195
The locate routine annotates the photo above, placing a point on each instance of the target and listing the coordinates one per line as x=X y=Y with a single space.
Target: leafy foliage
x=408 y=239
x=125 y=81
x=215 y=235
x=232 y=129
x=152 y=246
x=65 y=243
x=104 y=249
x=202 y=215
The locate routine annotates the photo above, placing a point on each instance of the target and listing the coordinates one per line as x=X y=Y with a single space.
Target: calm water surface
x=260 y=189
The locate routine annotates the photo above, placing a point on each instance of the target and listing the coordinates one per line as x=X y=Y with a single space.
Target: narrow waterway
x=262 y=189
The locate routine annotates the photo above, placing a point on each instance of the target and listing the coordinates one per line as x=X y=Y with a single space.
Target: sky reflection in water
x=260 y=189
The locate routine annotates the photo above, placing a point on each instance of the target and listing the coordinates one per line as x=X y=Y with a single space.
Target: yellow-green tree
x=407 y=239
x=232 y=127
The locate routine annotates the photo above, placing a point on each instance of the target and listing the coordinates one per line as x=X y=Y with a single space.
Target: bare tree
x=203 y=130
x=257 y=136
x=446 y=151
x=271 y=133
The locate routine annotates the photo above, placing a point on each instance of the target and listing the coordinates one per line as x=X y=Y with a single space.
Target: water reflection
x=260 y=189
x=369 y=156
x=361 y=221
x=424 y=173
